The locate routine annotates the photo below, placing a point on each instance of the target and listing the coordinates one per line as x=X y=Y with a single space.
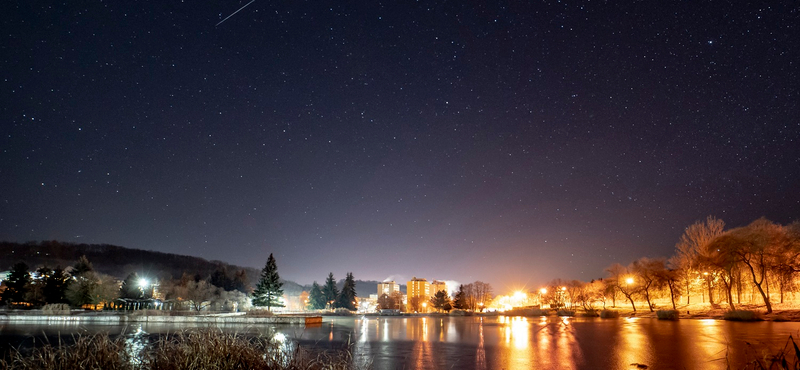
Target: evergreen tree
x=82 y=266
x=441 y=301
x=268 y=290
x=330 y=291
x=347 y=298
x=460 y=300
x=131 y=287
x=240 y=281
x=35 y=289
x=55 y=286
x=316 y=299
x=16 y=284
x=83 y=290
x=221 y=279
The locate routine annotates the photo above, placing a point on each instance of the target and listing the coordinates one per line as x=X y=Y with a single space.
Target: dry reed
x=186 y=350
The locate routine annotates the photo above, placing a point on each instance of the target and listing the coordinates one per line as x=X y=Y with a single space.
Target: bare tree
x=415 y=303
x=758 y=246
x=646 y=272
x=670 y=278
x=483 y=294
x=621 y=279
x=386 y=302
x=574 y=289
x=694 y=242
x=788 y=261
x=200 y=294
x=590 y=293
x=721 y=262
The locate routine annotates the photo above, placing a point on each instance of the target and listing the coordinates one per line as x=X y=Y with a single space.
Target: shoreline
x=779 y=314
x=113 y=317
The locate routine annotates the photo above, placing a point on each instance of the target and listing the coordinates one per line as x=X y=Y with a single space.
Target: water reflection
x=135 y=345
x=442 y=342
x=633 y=346
x=480 y=355
x=517 y=333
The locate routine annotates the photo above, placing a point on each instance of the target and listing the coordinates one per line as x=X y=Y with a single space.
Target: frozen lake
x=498 y=342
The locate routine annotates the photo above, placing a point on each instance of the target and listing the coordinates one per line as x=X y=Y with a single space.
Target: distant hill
x=120 y=261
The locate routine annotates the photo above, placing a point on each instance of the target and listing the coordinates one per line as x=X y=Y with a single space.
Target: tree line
x=743 y=265
x=328 y=296
x=81 y=285
x=113 y=260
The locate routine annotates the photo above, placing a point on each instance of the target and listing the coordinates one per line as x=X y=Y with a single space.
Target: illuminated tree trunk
x=688 y=290
x=631 y=299
x=710 y=296
x=758 y=283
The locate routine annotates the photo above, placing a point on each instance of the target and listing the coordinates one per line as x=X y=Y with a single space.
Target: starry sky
x=511 y=142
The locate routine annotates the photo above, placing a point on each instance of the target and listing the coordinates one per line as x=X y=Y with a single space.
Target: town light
x=143 y=282
x=543 y=290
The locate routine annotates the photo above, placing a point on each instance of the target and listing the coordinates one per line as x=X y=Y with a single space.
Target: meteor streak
x=234 y=13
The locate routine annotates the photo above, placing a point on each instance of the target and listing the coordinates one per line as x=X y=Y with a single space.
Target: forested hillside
x=119 y=261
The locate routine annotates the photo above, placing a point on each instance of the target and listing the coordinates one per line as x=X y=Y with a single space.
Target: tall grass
x=188 y=350
x=565 y=312
x=787 y=358
x=667 y=314
x=88 y=352
x=609 y=314
x=260 y=313
x=742 y=315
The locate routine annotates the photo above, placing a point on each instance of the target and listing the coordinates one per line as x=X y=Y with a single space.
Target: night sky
x=511 y=143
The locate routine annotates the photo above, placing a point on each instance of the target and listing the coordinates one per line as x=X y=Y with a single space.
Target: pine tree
x=330 y=291
x=82 y=266
x=316 y=299
x=268 y=290
x=130 y=288
x=83 y=289
x=16 y=284
x=460 y=300
x=240 y=281
x=55 y=286
x=347 y=298
x=441 y=301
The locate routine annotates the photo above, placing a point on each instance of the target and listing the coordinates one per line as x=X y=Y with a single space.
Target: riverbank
x=781 y=312
x=117 y=317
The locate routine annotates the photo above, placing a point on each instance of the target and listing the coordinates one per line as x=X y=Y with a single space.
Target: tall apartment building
x=388 y=287
x=419 y=289
x=438 y=285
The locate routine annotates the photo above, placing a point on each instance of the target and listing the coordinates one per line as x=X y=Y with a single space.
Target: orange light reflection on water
x=516 y=334
x=480 y=356
x=633 y=346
